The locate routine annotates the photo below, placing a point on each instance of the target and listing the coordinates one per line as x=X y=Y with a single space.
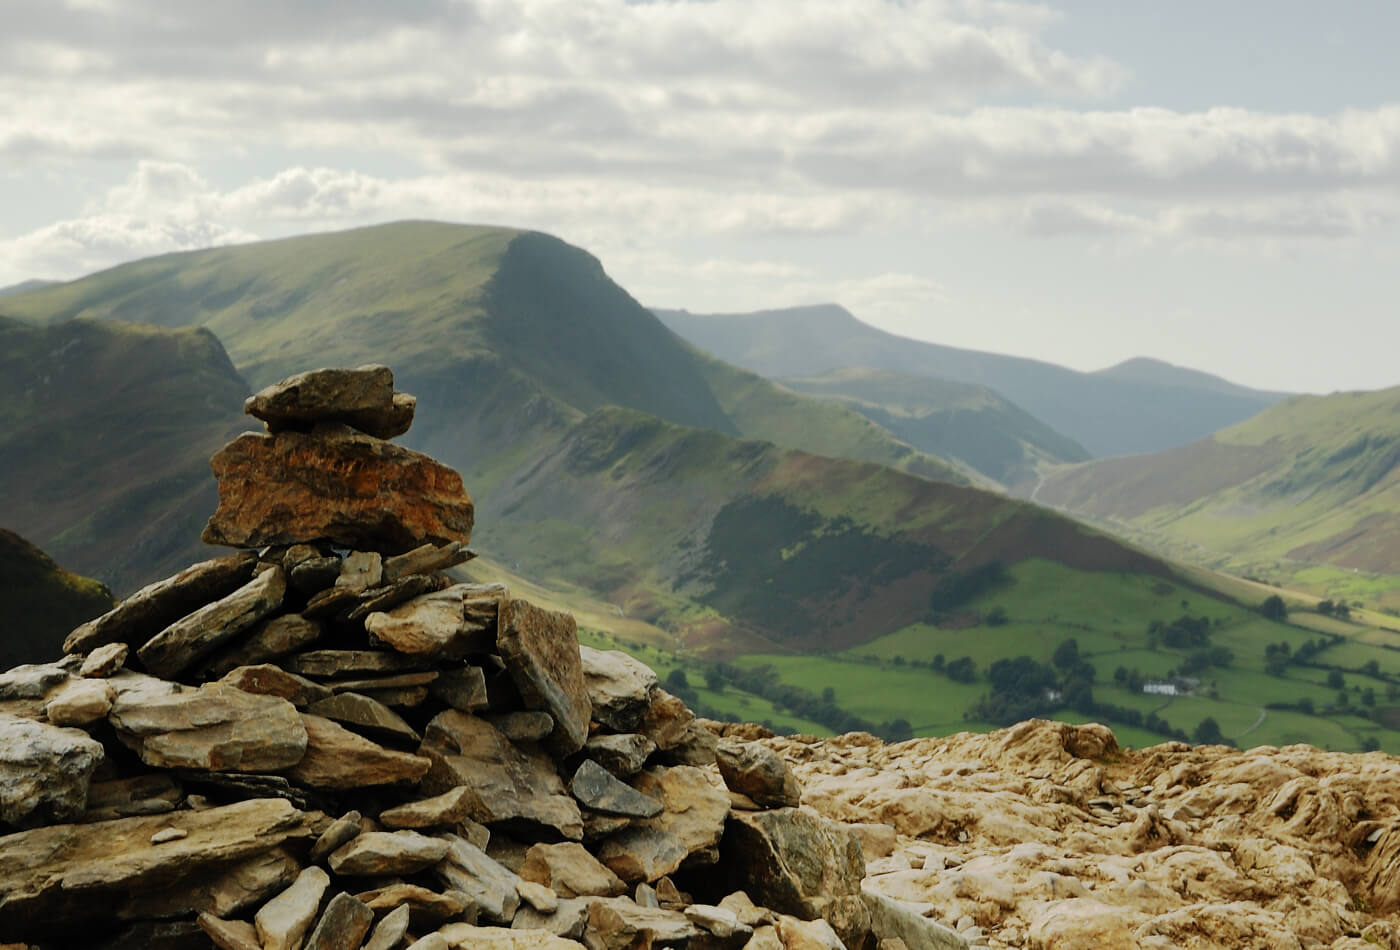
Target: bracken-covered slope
x=500 y=332
x=41 y=602
x=105 y=435
x=1313 y=481
x=962 y=422
x=1122 y=411
x=744 y=544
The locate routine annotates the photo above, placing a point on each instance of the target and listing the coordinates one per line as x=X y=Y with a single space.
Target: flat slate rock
x=337 y=758
x=349 y=662
x=81 y=874
x=215 y=727
x=268 y=680
x=292 y=487
x=430 y=625
x=202 y=632
x=425 y=559
x=343 y=925
x=387 y=853
x=597 y=788
x=368 y=715
x=363 y=398
x=269 y=640
x=541 y=651
x=282 y=922
x=156 y=606
x=344 y=828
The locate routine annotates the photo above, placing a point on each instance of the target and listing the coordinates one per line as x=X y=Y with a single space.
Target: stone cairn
x=325 y=742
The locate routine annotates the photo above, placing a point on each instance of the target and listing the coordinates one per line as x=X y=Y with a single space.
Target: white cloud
x=70 y=248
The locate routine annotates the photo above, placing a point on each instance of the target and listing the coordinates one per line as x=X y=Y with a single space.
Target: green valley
x=1306 y=494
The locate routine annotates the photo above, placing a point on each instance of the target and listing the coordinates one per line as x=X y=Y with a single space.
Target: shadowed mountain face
x=602 y=451
x=41 y=602
x=1139 y=406
x=1315 y=479
x=105 y=435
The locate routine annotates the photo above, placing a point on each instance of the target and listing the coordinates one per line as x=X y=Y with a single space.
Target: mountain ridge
x=1107 y=415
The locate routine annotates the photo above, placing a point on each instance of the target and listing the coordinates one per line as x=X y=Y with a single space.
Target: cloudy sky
x=1212 y=183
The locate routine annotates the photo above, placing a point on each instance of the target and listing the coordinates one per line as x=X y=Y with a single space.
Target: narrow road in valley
x=1263 y=714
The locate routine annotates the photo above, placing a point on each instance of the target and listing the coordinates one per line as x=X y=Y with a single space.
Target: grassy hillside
x=736 y=544
x=1307 y=493
x=105 y=434
x=501 y=334
x=1142 y=406
x=41 y=602
x=961 y=422
x=24 y=287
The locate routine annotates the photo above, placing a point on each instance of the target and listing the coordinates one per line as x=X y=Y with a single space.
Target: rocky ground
x=1047 y=835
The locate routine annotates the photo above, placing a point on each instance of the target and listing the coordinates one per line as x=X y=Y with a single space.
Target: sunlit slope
x=1139 y=406
x=499 y=332
x=1313 y=481
x=105 y=435
x=963 y=422
x=740 y=544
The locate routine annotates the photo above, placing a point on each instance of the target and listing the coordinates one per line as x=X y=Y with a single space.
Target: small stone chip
x=168 y=834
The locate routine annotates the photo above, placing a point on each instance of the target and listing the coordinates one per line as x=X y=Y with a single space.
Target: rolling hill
x=499 y=332
x=1136 y=407
x=1308 y=492
x=694 y=498
x=960 y=422
x=41 y=602
x=105 y=435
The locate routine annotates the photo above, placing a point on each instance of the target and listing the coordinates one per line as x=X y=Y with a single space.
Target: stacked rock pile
x=324 y=741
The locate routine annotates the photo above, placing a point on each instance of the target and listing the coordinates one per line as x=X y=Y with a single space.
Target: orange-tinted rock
x=336 y=484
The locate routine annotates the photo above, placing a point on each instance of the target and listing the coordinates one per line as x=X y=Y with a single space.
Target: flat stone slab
x=202 y=632
x=425 y=559
x=283 y=921
x=156 y=606
x=387 y=853
x=335 y=484
x=363 y=398
x=216 y=727
x=541 y=651
x=349 y=662
x=430 y=625
x=597 y=788
x=84 y=873
x=268 y=680
x=687 y=830
x=365 y=714
x=336 y=758
x=570 y=870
